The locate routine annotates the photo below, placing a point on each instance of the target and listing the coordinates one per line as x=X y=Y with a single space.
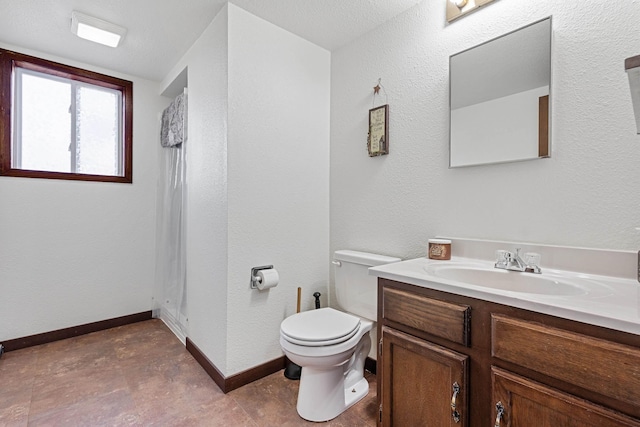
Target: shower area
x=169 y=300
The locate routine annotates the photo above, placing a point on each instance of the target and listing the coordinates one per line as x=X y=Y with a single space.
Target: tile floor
x=141 y=375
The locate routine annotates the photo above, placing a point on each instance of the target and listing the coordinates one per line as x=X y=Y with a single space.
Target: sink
x=512 y=281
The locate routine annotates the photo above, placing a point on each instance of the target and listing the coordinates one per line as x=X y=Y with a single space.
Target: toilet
x=330 y=345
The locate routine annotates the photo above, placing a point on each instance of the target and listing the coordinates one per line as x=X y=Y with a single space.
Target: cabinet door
x=423 y=384
x=526 y=403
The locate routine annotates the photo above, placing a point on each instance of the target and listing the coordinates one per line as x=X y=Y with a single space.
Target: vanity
x=461 y=343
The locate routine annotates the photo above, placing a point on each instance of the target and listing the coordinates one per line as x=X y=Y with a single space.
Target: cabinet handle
x=500 y=412
x=454 y=413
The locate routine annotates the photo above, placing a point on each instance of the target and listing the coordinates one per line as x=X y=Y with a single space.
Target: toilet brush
x=292 y=371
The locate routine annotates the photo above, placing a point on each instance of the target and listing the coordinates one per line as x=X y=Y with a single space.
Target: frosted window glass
x=97 y=131
x=45 y=127
x=64 y=122
x=67 y=126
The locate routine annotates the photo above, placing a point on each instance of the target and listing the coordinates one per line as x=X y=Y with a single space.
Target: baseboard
x=61 y=334
x=235 y=381
x=206 y=364
x=250 y=375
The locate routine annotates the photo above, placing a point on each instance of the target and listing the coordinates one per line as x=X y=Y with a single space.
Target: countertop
x=610 y=302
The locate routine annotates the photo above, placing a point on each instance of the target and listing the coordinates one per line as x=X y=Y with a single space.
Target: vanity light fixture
x=96 y=30
x=459 y=8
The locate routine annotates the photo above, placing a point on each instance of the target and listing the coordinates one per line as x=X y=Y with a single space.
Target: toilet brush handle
x=317 y=297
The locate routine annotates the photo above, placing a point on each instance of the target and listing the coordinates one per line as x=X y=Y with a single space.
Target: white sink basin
x=583 y=296
x=512 y=281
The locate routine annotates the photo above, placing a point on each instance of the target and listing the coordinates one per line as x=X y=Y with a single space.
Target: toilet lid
x=324 y=326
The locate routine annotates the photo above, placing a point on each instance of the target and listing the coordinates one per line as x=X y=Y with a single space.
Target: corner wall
x=75 y=252
x=206 y=189
x=279 y=87
x=257 y=183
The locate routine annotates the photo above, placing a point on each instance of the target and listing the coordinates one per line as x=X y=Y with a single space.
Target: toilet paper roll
x=268 y=278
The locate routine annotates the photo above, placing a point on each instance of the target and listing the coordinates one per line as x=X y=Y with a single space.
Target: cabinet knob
x=454 y=412
x=500 y=413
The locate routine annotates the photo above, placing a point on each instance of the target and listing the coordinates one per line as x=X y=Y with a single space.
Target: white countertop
x=610 y=302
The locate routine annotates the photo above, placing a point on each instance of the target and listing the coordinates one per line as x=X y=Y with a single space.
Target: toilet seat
x=326 y=350
x=322 y=327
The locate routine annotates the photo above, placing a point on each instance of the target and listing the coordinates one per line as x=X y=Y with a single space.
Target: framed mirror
x=499 y=99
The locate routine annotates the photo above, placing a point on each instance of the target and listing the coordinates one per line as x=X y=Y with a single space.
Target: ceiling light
x=96 y=30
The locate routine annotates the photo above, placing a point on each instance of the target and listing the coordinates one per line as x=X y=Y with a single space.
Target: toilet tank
x=356 y=290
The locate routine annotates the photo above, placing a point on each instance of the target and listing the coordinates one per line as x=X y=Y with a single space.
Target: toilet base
x=332 y=378
x=327 y=391
x=323 y=403
x=355 y=394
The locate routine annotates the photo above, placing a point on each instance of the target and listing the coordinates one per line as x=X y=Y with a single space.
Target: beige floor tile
x=110 y=409
x=141 y=375
x=51 y=393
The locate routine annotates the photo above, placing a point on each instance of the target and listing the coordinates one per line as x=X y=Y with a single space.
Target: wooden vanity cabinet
x=426 y=382
x=526 y=403
x=539 y=369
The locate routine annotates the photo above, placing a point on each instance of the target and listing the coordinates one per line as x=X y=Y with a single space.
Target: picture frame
x=378 y=137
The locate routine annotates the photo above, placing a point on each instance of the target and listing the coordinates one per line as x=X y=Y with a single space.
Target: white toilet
x=331 y=346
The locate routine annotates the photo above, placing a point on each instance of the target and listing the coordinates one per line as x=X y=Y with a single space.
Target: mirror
x=499 y=99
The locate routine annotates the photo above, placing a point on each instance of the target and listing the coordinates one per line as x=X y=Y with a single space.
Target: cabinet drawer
x=594 y=364
x=435 y=317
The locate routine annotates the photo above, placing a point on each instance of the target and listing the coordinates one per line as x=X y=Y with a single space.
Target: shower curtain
x=170 y=282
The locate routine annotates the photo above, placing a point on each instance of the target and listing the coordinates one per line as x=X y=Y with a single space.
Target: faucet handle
x=532 y=260
x=501 y=257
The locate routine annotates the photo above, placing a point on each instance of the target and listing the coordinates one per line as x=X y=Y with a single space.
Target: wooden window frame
x=9 y=61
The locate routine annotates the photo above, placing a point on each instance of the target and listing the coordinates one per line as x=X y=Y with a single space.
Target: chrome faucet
x=512 y=261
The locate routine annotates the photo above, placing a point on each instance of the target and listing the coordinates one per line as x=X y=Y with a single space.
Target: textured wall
x=257 y=183
x=278 y=180
x=585 y=195
x=206 y=183
x=76 y=252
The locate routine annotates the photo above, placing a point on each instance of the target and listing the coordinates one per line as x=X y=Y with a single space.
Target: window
x=63 y=122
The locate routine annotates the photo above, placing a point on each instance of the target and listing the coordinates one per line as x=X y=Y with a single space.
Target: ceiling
x=159 y=32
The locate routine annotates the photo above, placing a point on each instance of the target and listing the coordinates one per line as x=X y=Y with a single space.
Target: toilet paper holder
x=254 y=278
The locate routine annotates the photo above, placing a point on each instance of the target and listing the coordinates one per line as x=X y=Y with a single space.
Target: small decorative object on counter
x=440 y=249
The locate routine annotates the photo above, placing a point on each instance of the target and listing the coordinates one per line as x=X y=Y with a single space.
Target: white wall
x=278 y=180
x=585 y=195
x=206 y=185
x=257 y=182
x=78 y=252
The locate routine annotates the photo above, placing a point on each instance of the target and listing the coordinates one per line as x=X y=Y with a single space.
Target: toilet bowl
x=331 y=346
x=332 y=378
